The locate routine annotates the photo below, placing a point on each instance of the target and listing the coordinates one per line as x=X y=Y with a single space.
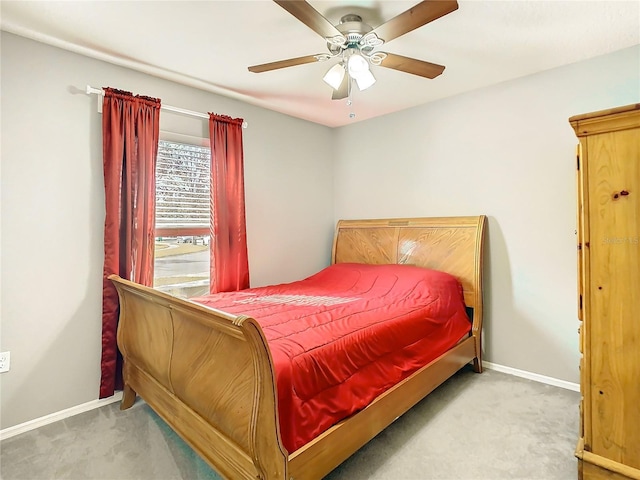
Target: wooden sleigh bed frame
x=210 y=376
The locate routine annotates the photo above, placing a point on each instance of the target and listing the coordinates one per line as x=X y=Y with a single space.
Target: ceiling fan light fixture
x=334 y=76
x=357 y=65
x=365 y=80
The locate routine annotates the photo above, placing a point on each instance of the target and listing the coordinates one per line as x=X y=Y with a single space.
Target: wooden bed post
x=476 y=329
x=128 y=396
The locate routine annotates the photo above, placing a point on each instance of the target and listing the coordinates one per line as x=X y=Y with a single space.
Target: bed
x=210 y=372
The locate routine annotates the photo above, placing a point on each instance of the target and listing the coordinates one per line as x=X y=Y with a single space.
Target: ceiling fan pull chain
x=350 y=98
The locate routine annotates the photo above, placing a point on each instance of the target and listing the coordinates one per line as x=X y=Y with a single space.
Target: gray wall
x=508 y=152
x=52 y=212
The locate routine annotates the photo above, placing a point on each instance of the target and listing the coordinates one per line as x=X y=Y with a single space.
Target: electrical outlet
x=5 y=361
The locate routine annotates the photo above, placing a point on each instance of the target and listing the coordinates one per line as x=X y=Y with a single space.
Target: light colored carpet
x=491 y=426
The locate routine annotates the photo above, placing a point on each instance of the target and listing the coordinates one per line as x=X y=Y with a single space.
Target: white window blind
x=183 y=185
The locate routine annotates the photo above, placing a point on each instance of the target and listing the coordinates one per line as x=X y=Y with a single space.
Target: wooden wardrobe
x=608 y=165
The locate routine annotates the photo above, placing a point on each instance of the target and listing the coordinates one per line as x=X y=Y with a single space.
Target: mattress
x=343 y=336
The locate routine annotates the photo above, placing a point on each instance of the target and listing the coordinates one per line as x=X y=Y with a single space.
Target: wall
x=508 y=152
x=52 y=212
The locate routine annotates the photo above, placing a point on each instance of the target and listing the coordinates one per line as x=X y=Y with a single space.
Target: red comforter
x=346 y=334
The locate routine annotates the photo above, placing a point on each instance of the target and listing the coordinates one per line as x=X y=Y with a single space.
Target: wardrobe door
x=613 y=283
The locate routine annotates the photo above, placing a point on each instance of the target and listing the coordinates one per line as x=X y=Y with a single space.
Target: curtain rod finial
x=90 y=90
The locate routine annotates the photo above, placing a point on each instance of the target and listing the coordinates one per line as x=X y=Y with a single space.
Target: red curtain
x=130 y=133
x=229 y=259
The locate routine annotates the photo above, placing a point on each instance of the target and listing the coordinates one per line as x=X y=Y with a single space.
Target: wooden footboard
x=208 y=374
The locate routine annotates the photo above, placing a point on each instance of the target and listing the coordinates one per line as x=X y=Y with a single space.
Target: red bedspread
x=346 y=334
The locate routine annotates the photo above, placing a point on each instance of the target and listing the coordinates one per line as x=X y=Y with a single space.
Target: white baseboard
x=532 y=376
x=54 y=417
x=69 y=412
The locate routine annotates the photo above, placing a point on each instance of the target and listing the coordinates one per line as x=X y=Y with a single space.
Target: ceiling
x=210 y=44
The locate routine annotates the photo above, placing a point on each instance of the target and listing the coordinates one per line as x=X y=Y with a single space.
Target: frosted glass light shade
x=334 y=76
x=365 y=80
x=358 y=65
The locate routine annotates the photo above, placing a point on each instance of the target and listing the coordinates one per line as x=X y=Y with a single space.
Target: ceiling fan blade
x=417 y=16
x=343 y=90
x=291 y=62
x=411 y=65
x=310 y=17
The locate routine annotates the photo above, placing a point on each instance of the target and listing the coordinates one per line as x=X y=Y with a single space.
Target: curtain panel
x=229 y=257
x=130 y=134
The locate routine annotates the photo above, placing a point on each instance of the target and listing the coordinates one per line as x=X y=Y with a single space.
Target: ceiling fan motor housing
x=353 y=29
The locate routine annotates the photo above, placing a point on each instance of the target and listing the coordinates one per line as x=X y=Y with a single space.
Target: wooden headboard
x=450 y=244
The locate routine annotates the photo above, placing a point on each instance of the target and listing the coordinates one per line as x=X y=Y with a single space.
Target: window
x=183 y=196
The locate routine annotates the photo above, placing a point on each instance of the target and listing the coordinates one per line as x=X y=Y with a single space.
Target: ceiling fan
x=354 y=43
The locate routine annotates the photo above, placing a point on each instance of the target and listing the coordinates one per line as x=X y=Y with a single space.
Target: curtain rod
x=98 y=91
